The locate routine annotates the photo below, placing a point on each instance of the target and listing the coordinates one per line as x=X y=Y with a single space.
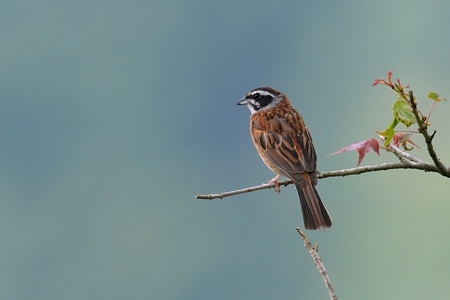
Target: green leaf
x=388 y=134
x=403 y=113
x=435 y=97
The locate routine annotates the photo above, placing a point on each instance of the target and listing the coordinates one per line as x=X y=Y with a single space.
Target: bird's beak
x=243 y=101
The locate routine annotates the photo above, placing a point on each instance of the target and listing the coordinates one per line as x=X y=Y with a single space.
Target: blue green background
x=115 y=114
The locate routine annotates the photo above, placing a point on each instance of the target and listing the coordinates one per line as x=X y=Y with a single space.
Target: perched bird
x=285 y=145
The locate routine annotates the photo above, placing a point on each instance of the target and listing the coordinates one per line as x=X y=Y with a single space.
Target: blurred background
x=115 y=114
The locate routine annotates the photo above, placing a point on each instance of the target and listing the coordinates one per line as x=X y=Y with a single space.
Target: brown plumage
x=285 y=145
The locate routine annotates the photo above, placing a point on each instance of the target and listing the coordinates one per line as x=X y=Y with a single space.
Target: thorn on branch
x=432 y=136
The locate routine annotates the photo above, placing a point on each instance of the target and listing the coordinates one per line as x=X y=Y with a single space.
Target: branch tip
x=318 y=262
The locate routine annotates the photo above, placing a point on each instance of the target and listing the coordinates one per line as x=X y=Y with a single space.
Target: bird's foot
x=274 y=181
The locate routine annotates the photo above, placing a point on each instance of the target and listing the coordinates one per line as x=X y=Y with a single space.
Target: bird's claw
x=274 y=181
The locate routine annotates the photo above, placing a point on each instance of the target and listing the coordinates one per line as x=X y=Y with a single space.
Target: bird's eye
x=256 y=96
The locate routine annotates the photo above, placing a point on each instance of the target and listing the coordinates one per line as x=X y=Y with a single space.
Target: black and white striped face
x=261 y=98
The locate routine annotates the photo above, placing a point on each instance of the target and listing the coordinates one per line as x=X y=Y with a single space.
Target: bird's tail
x=315 y=215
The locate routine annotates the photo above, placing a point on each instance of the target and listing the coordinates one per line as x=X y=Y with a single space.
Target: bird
x=285 y=145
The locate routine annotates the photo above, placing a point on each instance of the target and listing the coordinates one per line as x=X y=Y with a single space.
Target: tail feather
x=315 y=215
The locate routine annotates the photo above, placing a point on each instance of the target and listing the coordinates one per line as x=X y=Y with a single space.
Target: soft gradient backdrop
x=115 y=114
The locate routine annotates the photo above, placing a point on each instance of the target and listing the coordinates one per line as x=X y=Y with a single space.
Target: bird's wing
x=286 y=143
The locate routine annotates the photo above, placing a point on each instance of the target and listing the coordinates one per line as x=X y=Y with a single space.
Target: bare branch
x=402 y=155
x=243 y=191
x=319 y=264
x=381 y=167
x=406 y=164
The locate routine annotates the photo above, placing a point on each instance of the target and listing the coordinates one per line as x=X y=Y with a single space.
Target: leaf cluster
x=402 y=108
x=403 y=113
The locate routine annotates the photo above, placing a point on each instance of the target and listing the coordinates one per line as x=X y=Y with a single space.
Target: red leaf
x=377 y=81
x=388 y=82
x=389 y=75
x=362 y=148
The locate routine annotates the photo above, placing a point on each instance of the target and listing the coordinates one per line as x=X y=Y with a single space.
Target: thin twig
x=243 y=191
x=319 y=264
x=402 y=155
x=381 y=167
x=406 y=164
